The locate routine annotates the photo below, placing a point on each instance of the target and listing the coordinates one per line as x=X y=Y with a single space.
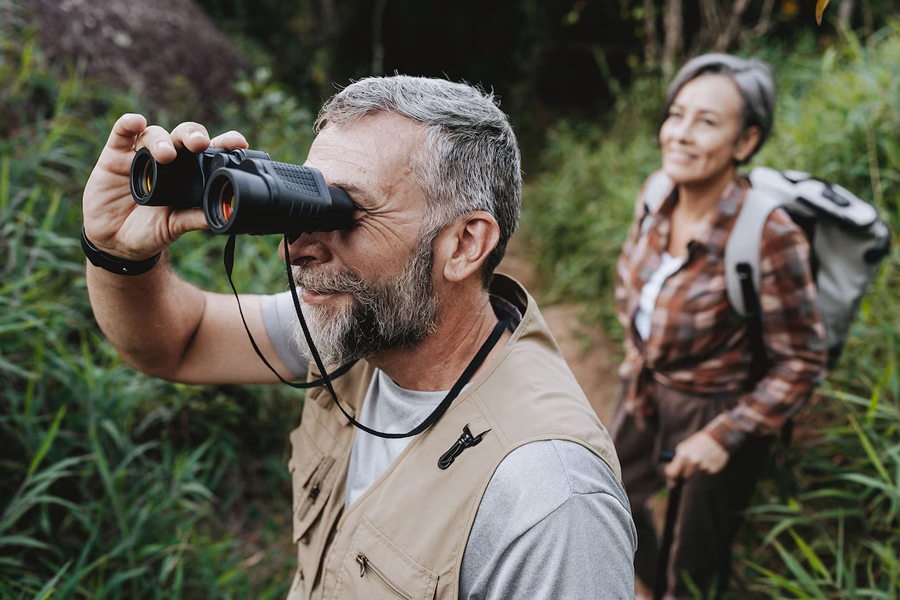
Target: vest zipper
x=366 y=566
x=315 y=488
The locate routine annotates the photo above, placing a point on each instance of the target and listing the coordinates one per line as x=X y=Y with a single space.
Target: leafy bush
x=113 y=484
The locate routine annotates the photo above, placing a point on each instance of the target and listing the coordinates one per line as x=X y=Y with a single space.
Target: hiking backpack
x=847 y=239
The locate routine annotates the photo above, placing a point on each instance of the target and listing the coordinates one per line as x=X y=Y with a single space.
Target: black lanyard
x=326 y=379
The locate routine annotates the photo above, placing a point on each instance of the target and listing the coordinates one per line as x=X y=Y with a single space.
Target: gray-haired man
x=514 y=492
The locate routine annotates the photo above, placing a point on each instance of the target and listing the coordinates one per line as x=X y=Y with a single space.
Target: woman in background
x=686 y=372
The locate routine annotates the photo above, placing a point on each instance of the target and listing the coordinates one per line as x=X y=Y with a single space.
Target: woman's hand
x=112 y=220
x=699 y=453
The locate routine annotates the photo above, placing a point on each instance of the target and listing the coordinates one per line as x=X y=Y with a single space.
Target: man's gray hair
x=470 y=160
x=753 y=78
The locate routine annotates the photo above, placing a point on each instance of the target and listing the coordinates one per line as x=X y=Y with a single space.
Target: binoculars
x=242 y=191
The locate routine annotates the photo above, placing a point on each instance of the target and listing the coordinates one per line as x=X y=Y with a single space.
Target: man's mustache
x=328 y=281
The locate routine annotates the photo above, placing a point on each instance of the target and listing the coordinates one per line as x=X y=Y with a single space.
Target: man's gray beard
x=382 y=316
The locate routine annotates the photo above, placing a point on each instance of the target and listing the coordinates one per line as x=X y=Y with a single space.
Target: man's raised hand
x=112 y=220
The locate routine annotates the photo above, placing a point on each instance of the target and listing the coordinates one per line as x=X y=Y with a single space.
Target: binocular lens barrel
x=178 y=183
x=272 y=198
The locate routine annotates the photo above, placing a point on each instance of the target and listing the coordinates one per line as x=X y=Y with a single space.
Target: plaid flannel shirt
x=697 y=342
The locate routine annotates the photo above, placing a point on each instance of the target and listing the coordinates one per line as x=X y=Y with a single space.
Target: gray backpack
x=847 y=239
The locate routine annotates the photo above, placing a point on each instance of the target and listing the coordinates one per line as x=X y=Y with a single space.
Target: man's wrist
x=114 y=264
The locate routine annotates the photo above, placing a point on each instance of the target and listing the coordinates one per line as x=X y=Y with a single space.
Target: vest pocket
x=311 y=480
x=375 y=568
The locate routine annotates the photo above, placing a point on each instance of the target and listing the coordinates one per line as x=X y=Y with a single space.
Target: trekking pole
x=660 y=580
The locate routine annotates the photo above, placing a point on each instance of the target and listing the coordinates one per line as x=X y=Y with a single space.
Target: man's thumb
x=183 y=221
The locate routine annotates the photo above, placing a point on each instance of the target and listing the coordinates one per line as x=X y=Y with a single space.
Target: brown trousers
x=709 y=515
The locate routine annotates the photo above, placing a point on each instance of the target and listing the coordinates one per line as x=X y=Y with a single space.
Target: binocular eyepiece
x=242 y=191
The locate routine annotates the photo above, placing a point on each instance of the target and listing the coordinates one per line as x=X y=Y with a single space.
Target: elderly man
x=515 y=491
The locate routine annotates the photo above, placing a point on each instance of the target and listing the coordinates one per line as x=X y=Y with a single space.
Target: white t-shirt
x=643 y=318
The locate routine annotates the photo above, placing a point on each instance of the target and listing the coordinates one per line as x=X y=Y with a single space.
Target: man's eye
x=359 y=212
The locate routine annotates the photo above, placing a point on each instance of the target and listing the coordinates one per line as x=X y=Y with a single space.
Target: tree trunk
x=674 y=40
x=765 y=19
x=651 y=41
x=711 y=23
x=377 y=37
x=730 y=33
x=845 y=13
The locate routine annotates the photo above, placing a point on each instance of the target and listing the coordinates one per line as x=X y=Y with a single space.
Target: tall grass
x=837 y=534
x=827 y=524
x=112 y=484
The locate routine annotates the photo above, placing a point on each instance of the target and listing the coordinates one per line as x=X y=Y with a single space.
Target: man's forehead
x=389 y=133
x=367 y=155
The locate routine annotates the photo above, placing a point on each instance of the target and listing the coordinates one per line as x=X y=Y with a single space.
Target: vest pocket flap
x=305 y=457
x=375 y=568
x=479 y=428
x=312 y=479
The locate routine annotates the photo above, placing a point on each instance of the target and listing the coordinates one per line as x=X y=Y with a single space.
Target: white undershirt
x=647 y=302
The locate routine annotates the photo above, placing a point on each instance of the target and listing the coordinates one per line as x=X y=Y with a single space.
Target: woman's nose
x=684 y=130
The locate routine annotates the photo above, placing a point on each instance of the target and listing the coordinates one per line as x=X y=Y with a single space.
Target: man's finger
x=230 y=140
x=184 y=221
x=157 y=140
x=126 y=128
x=192 y=136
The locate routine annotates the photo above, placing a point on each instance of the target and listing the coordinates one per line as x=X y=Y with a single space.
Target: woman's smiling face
x=703 y=135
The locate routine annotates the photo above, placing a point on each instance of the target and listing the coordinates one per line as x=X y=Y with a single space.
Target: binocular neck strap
x=438 y=412
x=326 y=379
x=229 y=267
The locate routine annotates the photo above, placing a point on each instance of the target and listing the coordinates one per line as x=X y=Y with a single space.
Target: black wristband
x=114 y=264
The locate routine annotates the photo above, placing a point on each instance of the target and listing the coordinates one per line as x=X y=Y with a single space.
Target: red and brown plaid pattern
x=698 y=343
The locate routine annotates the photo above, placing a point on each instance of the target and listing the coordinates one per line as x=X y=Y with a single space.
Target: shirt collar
x=713 y=237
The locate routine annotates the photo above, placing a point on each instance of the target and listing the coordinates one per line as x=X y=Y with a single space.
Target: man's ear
x=462 y=248
x=747 y=143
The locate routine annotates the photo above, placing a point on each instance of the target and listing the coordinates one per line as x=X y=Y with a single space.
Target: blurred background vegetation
x=116 y=485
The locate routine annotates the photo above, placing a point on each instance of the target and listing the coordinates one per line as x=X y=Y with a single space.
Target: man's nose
x=307 y=247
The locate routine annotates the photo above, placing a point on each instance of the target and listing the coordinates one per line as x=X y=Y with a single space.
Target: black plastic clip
x=466 y=440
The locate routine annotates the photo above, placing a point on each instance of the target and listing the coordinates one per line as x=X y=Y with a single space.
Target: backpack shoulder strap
x=656 y=190
x=743 y=245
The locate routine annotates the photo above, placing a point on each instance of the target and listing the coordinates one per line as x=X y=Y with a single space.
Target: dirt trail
x=590 y=354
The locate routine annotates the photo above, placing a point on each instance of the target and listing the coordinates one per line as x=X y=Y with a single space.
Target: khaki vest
x=405 y=537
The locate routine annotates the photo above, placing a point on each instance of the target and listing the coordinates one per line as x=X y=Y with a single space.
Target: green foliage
x=835 y=533
x=577 y=211
x=827 y=523
x=112 y=484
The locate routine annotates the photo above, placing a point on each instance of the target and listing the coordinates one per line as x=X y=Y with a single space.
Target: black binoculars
x=242 y=191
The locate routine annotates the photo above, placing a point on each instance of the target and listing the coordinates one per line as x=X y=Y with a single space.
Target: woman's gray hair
x=753 y=78
x=470 y=160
